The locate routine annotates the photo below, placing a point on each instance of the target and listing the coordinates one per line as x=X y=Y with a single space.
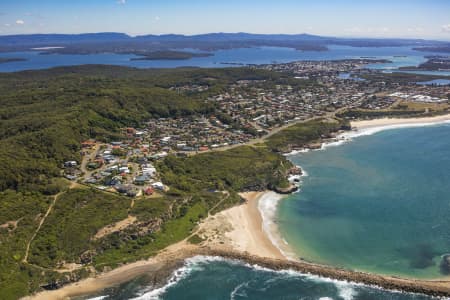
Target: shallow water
x=380 y=203
x=215 y=278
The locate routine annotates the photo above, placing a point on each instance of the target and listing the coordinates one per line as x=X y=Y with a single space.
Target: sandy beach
x=241 y=228
x=235 y=233
x=399 y=122
x=236 y=230
x=159 y=267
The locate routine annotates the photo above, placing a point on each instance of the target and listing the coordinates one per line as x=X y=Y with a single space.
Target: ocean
x=379 y=203
x=400 y=56
x=216 y=278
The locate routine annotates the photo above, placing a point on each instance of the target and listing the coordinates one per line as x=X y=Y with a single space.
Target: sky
x=429 y=19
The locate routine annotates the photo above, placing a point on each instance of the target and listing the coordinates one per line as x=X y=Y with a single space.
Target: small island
x=443 y=49
x=171 y=55
x=434 y=63
x=4 y=60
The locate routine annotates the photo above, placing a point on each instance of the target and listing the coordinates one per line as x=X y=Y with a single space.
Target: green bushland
x=238 y=169
x=16 y=278
x=148 y=208
x=75 y=219
x=393 y=79
x=44 y=115
x=301 y=134
x=176 y=224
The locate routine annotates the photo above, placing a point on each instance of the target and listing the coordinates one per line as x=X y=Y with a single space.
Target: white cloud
x=121 y=2
x=20 y=22
x=446 y=28
x=157 y=18
x=7 y=25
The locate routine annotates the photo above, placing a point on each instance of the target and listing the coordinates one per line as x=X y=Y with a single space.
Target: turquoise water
x=380 y=203
x=215 y=279
x=401 y=56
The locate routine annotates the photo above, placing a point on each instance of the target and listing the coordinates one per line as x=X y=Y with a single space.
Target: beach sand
x=400 y=122
x=160 y=266
x=235 y=233
x=237 y=229
x=240 y=228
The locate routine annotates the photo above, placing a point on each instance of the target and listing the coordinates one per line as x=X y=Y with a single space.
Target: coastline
x=247 y=233
x=243 y=228
x=236 y=233
x=376 y=125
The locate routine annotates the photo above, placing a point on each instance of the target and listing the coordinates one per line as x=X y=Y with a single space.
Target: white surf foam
x=155 y=294
x=348 y=136
x=236 y=292
x=376 y=129
x=346 y=289
x=267 y=206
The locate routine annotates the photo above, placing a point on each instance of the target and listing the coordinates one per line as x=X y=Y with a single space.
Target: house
x=148 y=171
x=131 y=131
x=141 y=180
x=88 y=144
x=70 y=164
x=113 y=181
x=149 y=191
x=122 y=188
x=158 y=185
x=91 y=181
x=71 y=177
x=124 y=170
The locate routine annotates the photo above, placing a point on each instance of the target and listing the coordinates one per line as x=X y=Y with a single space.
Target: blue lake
x=400 y=56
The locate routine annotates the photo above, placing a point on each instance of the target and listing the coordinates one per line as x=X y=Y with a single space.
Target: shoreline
x=372 y=126
x=242 y=228
x=376 y=125
x=247 y=233
x=230 y=236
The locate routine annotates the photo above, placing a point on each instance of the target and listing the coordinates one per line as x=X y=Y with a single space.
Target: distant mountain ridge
x=122 y=43
x=221 y=36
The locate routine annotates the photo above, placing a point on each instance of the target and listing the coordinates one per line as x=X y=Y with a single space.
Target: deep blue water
x=401 y=56
x=217 y=279
x=379 y=203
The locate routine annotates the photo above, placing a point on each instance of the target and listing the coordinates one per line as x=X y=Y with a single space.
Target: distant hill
x=44 y=39
x=122 y=43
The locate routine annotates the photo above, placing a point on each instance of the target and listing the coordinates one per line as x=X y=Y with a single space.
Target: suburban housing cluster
x=246 y=110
